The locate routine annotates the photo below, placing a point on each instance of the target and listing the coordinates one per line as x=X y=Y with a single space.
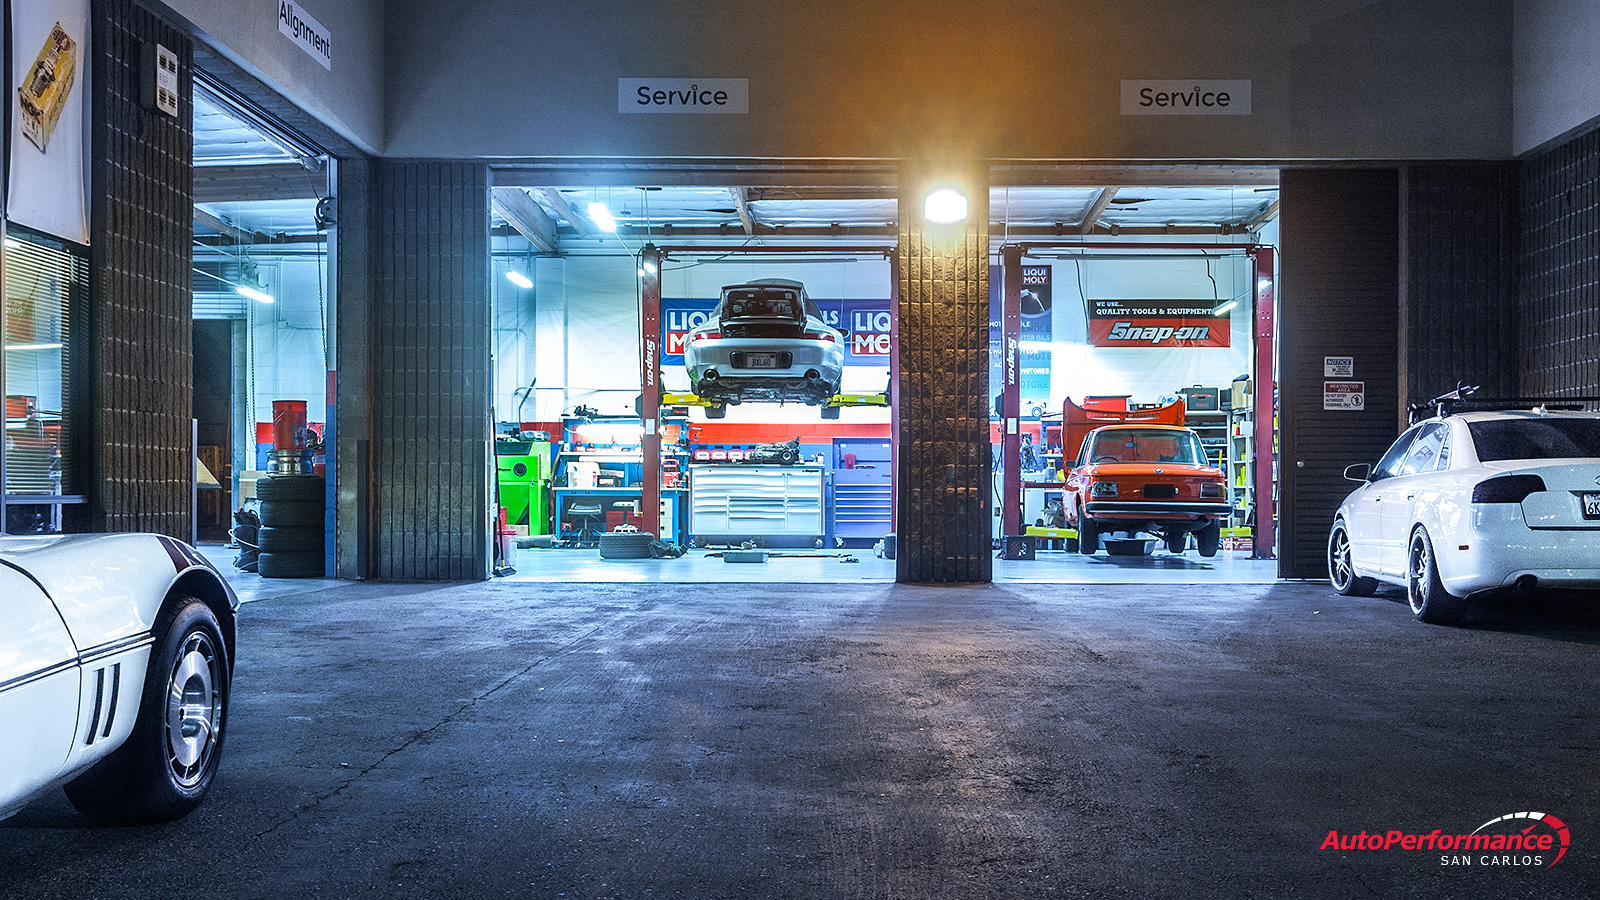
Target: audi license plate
x=1591 y=504
x=761 y=360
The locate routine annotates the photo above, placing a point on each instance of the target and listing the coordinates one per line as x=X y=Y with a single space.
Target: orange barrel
x=289 y=424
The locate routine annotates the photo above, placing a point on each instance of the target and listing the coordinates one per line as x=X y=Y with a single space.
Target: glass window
x=44 y=282
x=1147 y=445
x=1387 y=466
x=1536 y=437
x=1424 y=453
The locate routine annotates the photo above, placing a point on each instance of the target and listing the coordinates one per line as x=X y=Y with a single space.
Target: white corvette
x=1474 y=502
x=116 y=658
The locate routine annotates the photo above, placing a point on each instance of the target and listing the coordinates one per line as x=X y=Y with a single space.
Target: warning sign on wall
x=1344 y=395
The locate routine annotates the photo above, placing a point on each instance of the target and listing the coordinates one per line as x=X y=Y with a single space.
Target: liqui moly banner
x=1157 y=323
x=868 y=337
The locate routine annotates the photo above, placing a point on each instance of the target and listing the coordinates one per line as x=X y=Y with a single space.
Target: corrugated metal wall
x=1339 y=297
x=1458 y=279
x=430 y=370
x=139 y=462
x=1558 y=303
x=944 y=472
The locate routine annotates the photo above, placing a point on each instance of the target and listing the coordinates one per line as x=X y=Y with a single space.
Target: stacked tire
x=292 y=527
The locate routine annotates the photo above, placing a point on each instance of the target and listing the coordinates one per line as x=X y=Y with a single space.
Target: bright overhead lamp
x=945 y=206
x=54 y=346
x=519 y=279
x=253 y=294
x=602 y=217
x=1225 y=308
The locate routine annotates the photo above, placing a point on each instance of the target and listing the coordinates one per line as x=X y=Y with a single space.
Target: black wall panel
x=1340 y=297
x=1558 y=303
x=141 y=345
x=429 y=370
x=1458 y=279
x=943 y=479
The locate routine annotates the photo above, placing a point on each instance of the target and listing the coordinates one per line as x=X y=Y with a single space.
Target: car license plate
x=1591 y=505
x=761 y=360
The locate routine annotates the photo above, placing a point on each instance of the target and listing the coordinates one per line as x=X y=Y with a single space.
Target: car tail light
x=1212 y=490
x=1103 y=489
x=1507 y=489
x=819 y=336
x=706 y=336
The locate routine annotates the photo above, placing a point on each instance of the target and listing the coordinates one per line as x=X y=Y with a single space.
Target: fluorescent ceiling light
x=945 y=206
x=602 y=217
x=254 y=294
x=519 y=279
x=1225 y=308
x=55 y=346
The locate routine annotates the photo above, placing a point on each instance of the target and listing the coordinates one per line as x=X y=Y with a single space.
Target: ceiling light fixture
x=519 y=279
x=945 y=206
x=1225 y=308
x=253 y=294
x=55 y=346
x=602 y=217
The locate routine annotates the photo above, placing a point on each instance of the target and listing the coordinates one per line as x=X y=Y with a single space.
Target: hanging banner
x=1157 y=323
x=866 y=323
x=49 y=112
x=1036 y=334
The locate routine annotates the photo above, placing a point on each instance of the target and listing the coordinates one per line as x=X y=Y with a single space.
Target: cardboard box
x=44 y=91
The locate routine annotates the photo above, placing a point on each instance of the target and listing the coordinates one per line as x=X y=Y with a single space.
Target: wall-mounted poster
x=49 y=115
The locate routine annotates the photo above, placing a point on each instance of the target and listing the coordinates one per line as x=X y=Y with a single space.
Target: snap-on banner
x=49 y=115
x=1157 y=323
x=866 y=323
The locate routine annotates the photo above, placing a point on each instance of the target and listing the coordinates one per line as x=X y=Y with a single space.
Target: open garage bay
x=543 y=740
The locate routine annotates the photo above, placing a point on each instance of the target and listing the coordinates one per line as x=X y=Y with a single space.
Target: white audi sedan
x=1474 y=502
x=767 y=341
x=116 y=657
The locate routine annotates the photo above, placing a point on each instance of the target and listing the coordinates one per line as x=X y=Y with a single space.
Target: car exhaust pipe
x=1527 y=584
x=813 y=375
x=709 y=375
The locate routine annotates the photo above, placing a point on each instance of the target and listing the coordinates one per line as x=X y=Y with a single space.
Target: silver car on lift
x=767 y=341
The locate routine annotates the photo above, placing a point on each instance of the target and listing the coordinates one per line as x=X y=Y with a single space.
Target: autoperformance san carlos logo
x=1516 y=840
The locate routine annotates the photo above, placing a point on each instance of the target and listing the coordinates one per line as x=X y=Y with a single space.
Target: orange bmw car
x=1151 y=479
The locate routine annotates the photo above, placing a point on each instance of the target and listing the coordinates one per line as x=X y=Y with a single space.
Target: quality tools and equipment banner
x=49 y=112
x=865 y=323
x=1157 y=323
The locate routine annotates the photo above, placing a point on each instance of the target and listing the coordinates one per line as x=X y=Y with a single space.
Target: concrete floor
x=859 y=565
x=875 y=741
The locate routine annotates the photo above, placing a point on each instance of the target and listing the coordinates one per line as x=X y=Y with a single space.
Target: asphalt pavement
x=866 y=741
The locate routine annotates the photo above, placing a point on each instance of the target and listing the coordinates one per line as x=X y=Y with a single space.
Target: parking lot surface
x=874 y=741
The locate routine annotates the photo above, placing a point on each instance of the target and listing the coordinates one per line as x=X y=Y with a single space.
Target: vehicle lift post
x=1010 y=392
x=1266 y=281
x=650 y=440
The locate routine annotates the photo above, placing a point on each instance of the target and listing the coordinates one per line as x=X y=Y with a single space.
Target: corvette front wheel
x=167 y=764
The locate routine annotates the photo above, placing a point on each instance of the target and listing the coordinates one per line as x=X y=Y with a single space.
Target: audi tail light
x=1507 y=488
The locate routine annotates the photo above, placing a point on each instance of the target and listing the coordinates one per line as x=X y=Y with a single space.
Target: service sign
x=1157 y=323
x=683 y=95
x=865 y=322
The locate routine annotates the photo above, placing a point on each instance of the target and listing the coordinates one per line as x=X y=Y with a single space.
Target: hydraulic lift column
x=1265 y=535
x=1010 y=392
x=650 y=440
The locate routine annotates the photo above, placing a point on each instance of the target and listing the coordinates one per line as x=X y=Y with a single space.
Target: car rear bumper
x=823 y=356
x=1501 y=553
x=1153 y=509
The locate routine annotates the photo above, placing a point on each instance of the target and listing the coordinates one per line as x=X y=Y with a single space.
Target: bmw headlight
x=1103 y=489
x=1212 y=490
